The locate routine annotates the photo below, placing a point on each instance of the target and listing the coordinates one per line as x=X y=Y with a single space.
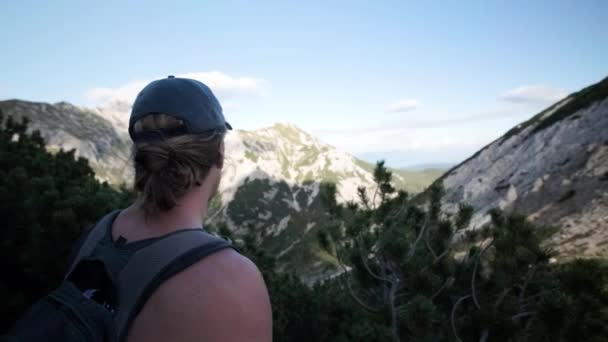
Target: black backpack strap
x=152 y=265
x=92 y=239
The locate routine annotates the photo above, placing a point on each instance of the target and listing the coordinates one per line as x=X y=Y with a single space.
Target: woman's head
x=178 y=128
x=167 y=169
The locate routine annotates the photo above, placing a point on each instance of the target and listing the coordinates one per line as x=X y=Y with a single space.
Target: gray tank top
x=137 y=268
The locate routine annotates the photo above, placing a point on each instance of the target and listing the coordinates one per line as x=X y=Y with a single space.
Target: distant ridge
x=429 y=166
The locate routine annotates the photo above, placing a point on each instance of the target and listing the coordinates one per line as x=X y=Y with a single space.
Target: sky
x=411 y=82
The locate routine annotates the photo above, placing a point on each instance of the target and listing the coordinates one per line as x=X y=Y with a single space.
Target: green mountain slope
x=408 y=180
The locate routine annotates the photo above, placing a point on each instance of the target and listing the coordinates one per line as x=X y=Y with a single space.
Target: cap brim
x=228 y=126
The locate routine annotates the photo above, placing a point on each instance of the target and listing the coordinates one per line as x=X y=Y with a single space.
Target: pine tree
x=415 y=266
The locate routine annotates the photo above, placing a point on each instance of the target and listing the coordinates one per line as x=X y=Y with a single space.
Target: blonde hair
x=165 y=170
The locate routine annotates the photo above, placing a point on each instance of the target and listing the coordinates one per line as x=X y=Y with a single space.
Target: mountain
x=552 y=168
x=270 y=183
x=93 y=136
x=430 y=166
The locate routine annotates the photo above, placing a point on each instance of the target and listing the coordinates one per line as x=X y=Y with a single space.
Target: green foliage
x=583 y=300
x=310 y=155
x=47 y=201
x=291 y=133
x=465 y=213
x=265 y=205
x=302 y=313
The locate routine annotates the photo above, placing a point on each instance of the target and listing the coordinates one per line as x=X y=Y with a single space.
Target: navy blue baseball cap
x=185 y=99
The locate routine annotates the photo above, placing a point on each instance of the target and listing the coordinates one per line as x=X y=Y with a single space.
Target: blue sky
x=411 y=82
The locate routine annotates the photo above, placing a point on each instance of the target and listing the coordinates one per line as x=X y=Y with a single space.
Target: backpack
x=89 y=305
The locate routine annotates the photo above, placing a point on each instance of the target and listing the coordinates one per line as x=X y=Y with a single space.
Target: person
x=178 y=130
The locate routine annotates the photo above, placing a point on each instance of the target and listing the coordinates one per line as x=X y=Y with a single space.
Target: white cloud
x=403 y=106
x=223 y=86
x=430 y=120
x=409 y=146
x=125 y=93
x=430 y=139
x=533 y=94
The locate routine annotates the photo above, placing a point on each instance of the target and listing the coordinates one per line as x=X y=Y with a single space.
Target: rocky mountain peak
x=552 y=168
x=117 y=112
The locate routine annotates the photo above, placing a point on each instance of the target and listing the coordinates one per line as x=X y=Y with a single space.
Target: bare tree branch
x=448 y=282
x=436 y=260
x=385 y=289
x=394 y=326
x=428 y=246
x=440 y=256
x=523 y=314
x=454 y=313
x=398 y=212
x=352 y=292
x=484 y=335
x=413 y=248
x=501 y=297
x=525 y=286
x=367 y=268
x=474 y=276
x=364 y=198
x=374 y=197
x=473 y=283
x=528 y=325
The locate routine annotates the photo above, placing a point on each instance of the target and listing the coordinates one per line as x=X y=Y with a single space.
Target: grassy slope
x=412 y=181
x=250 y=209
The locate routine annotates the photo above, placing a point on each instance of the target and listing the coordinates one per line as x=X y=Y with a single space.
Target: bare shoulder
x=222 y=297
x=226 y=268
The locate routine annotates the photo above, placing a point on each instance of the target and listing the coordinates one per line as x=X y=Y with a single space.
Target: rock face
x=284 y=152
x=552 y=168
